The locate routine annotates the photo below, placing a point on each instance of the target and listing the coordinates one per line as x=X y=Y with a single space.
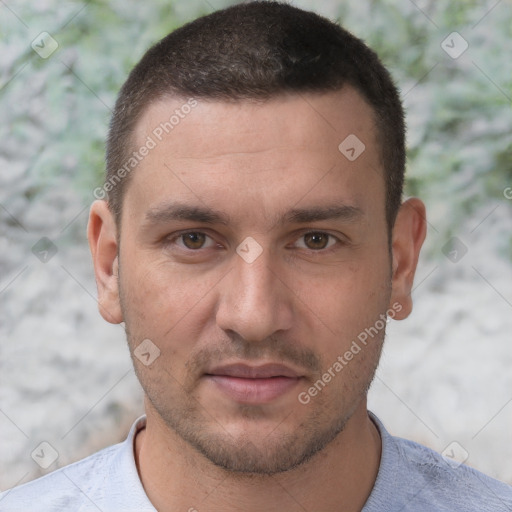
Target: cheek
x=168 y=308
x=159 y=299
x=348 y=329
x=349 y=298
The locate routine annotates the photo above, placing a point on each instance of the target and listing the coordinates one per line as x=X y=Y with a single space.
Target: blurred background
x=65 y=375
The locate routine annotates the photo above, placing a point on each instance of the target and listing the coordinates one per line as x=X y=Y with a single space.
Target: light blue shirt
x=411 y=478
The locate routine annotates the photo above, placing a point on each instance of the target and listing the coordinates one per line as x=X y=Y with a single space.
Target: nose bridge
x=256 y=280
x=252 y=301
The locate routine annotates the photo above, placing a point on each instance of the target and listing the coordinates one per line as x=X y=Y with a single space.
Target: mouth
x=250 y=384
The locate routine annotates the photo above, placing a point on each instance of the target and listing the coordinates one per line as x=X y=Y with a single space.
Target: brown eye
x=316 y=240
x=193 y=240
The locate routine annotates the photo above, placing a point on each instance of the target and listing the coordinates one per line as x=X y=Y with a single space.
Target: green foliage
x=56 y=110
x=458 y=110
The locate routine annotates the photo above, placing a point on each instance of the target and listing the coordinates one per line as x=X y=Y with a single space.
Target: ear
x=102 y=236
x=408 y=235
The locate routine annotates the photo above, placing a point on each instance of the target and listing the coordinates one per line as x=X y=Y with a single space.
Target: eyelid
x=338 y=240
x=174 y=237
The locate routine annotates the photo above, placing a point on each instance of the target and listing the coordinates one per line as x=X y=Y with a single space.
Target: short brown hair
x=258 y=50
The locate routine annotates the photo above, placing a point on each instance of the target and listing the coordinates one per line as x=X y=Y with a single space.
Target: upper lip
x=246 y=371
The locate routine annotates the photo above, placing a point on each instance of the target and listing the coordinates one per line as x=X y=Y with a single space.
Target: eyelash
x=178 y=236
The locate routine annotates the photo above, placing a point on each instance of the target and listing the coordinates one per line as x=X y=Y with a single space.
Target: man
x=254 y=242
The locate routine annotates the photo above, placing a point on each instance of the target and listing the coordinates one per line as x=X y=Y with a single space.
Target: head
x=252 y=52
x=256 y=226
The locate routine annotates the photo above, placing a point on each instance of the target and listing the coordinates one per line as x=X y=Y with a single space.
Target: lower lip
x=253 y=391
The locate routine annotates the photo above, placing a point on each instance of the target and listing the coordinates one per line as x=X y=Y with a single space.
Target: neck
x=338 y=478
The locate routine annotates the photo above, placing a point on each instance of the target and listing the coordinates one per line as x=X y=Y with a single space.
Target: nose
x=254 y=301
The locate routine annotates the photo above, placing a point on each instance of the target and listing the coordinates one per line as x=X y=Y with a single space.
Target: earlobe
x=102 y=236
x=409 y=233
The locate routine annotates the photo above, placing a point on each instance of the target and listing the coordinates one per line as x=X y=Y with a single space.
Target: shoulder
x=107 y=481
x=452 y=485
x=415 y=478
x=61 y=489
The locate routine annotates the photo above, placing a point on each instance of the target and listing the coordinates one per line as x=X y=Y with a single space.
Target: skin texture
x=301 y=303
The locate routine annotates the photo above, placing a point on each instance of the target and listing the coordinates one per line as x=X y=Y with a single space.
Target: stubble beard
x=282 y=450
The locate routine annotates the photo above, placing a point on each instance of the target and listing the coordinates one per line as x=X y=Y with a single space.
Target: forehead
x=258 y=154
x=311 y=117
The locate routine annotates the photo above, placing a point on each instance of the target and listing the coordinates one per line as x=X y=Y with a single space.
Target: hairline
x=132 y=144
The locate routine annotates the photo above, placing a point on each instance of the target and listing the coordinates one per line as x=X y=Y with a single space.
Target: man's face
x=246 y=326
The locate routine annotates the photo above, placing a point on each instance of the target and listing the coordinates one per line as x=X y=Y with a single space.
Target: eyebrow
x=180 y=211
x=343 y=212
